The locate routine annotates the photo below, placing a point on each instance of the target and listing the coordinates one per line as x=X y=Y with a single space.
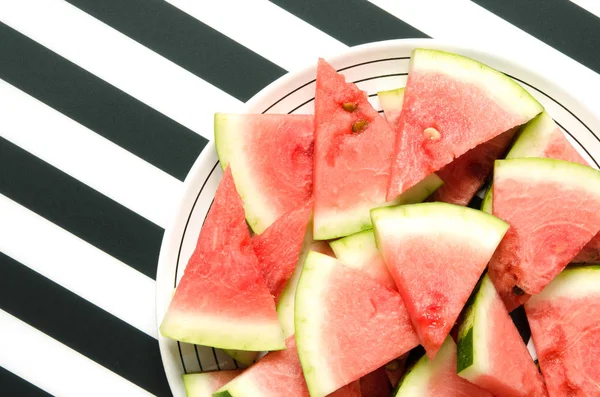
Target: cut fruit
x=375 y=384
x=271 y=158
x=276 y=374
x=436 y=253
x=491 y=352
x=206 y=383
x=435 y=378
x=351 y=390
x=553 y=208
x=541 y=137
x=566 y=333
x=451 y=105
x=347 y=324
x=278 y=247
x=391 y=103
x=360 y=251
x=241 y=356
x=352 y=156
x=221 y=300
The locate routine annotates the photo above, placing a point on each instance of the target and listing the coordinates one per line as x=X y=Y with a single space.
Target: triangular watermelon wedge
x=438 y=377
x=278 y=247
x=451 y=105
x=222 y=300
x=491 y=353
x=347 y=325
x=464 y=176
x=553 y=208
x=352 y=156
x=565 y=331
x=271 y=158
x=436 y=253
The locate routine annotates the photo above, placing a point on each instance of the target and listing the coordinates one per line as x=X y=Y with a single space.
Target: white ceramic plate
x=373 y=67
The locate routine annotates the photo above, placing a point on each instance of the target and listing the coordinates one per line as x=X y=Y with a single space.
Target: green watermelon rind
x=486 y=204
x=229 y=145
x=242 y=386
x=472 y=351
x=576 y=281
x=313 y=284
x=391 y=99
x=201 y=384
x=501 y=88
x=242 y=356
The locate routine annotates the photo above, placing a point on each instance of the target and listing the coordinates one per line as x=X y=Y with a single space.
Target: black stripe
x=97 y=105
x=79 y=209
x=187 y=42
x=352 y=22
x=12 y=385
x=82 y=326
x=558 y=23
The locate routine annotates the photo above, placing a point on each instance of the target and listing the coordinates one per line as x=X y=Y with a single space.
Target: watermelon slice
x=375 y=384
x=541 y=137
x=221 y=300
x=436 y=253
x=429 y=378
x=491 y=352
x=464 y=176
x=351 y=390
x=278 y=247
x=271 y=158
x=451 y=105
x=566 y=335
x=243 y=357
x=347 y=324
x=206 y=383
x=553 y=208
x=352 y=156
x=277 y=374
x=359 y=249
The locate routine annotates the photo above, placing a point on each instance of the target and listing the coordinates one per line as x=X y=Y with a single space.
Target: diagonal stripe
x=82 y=326
x=282 y=38
x=77 y=266
x=12 y=385
x=559 y=23
x=352 y=22
x=54 y=367
x=118 y=60
x=592 y=6
x=495 y=33
x=79 y=209
x=87 y=156
x=97 y=105
x=192 y=45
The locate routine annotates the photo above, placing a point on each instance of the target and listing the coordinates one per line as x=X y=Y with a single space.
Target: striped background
x=106 y=104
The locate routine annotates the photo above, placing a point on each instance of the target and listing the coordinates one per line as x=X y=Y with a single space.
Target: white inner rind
x=310 y=318
x=474 y=227
x=574 y=283
x=355 y=250
x=391 y=100
x=198 y=385
x=223 y=332
x=230 y=149
x=243 y=386
x=501 y=88
x=533 y=139
x=567 y=174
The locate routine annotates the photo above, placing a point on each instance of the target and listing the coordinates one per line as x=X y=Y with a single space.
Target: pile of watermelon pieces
x=347 y=245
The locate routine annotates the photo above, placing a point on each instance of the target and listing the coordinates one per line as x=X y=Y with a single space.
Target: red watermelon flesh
x=466 y=175
x=451 y=105
x=347 y=324
x=375 y=384
x=566 y=334
x=351 y=390
x=352 y=156
x=221 y=300
x=553 y=207
x=271 y=158
x=278 y=247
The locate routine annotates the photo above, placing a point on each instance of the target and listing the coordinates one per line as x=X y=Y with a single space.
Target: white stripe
x=54 y=367
x=77 y=266
x=87 y=156
x=465 y=22
x=266 y=29
x=119 y=60
x=592 y=6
